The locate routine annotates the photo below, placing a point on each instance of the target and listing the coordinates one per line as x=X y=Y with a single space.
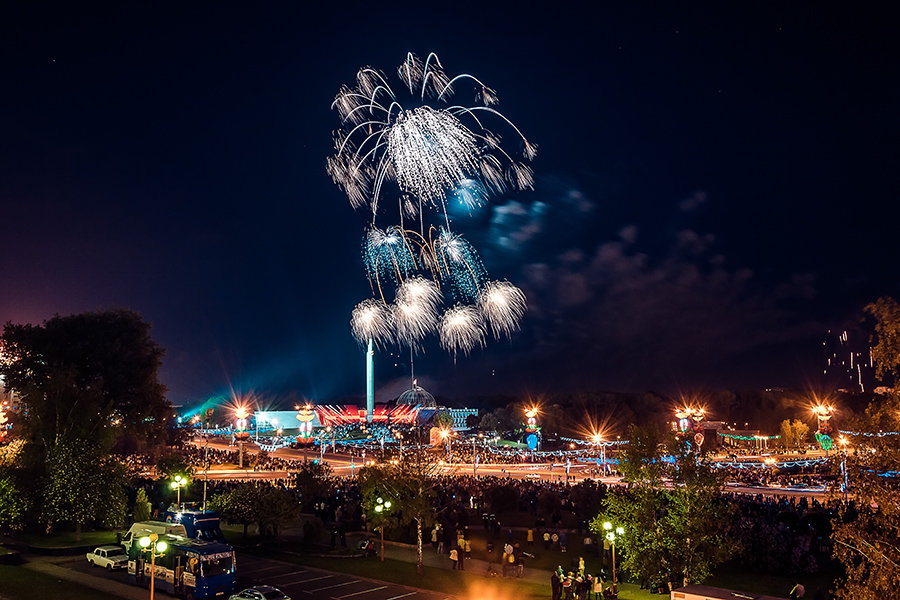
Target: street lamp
x=611 y=538
x=208 y=414
x=381 y=507
x=156 y=547
x=241 y=434
x=597 y=438
x=446 y=435
x=179 y=482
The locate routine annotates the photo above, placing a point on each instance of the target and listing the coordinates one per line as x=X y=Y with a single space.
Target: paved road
x=305 y=582
x=345 y=465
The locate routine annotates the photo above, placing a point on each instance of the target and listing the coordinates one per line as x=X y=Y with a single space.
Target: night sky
x=714 y=186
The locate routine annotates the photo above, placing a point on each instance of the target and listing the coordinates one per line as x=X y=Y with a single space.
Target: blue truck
x=189 y=568
x=198 y=524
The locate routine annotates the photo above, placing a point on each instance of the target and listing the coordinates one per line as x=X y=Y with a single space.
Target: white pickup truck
x=111 y=557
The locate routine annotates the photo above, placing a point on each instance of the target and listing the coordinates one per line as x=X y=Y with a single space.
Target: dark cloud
x=668 y=314
x=693 y=202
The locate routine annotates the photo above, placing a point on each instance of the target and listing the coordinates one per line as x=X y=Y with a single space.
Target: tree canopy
x=86 y=376
x=671 y=533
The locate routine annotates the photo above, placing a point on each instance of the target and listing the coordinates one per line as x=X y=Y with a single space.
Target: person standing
x=468 y=548
x=555 y=586
x=454 y=558
x=460 y=557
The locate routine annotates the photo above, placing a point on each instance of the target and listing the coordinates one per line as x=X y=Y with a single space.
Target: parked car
x=261 y=592
x=110 y=557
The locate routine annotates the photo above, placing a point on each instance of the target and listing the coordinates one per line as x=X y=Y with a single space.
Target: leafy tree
x=793 y=433
x=89 y=376
x=489 y=422
x=141 y=506
x=239 y=505
x=669 y=532
x=170 y=465
x=472 y=421
x=411 y=484
x=886 y=352
x=314 y=482
x=443 y=419
x=275 y=508
x=13 y=500
x=868 y=527
x=83 y=484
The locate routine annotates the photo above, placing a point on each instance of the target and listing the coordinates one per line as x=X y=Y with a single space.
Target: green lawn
x=19 y=583
x=66 y=539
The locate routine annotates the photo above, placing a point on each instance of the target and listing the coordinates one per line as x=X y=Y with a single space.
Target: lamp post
x=843 y=441
x=157 y=547
x=241 y=434
x=399 y=435
x=381 y=507
x=597 y=438
x=611 y=538
x=179 y=482
x=207 y=414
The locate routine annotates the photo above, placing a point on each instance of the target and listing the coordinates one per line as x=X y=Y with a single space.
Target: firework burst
x=503 y=306
x=415 y=310
x=462 y=329
x=388 y=256
x=372 y=320
x=458 y=263
x=421 y=141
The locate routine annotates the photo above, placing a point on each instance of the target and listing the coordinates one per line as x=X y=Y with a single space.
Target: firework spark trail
x=432 y=152
x=388 y=255
x=415 y=310
x=420 y=141
x=462 y=329
x=503 y=306
x=372 y=320
x=458 y=262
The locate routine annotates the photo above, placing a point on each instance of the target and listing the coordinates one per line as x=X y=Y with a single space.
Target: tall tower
x=370 y=383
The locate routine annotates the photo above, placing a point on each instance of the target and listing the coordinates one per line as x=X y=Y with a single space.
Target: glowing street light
x=179 y=482
x=611 y=538
x=382 y=506
x=597 y=438
x=156 y=547
x=241 y=414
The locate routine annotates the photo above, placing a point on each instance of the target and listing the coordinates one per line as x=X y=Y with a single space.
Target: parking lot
x=303 y=582
x=294 y=580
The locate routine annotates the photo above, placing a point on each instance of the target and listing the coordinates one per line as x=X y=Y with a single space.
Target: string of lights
x=734 y=436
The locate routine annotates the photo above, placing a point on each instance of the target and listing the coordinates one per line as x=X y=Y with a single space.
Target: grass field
x=66 y=539
x=19 y=583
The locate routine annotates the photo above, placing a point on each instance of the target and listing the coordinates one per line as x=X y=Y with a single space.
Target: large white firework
x=415 y=310
x=503 y=306
x=423 y=142
x=462 y=329
x=372 y=320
